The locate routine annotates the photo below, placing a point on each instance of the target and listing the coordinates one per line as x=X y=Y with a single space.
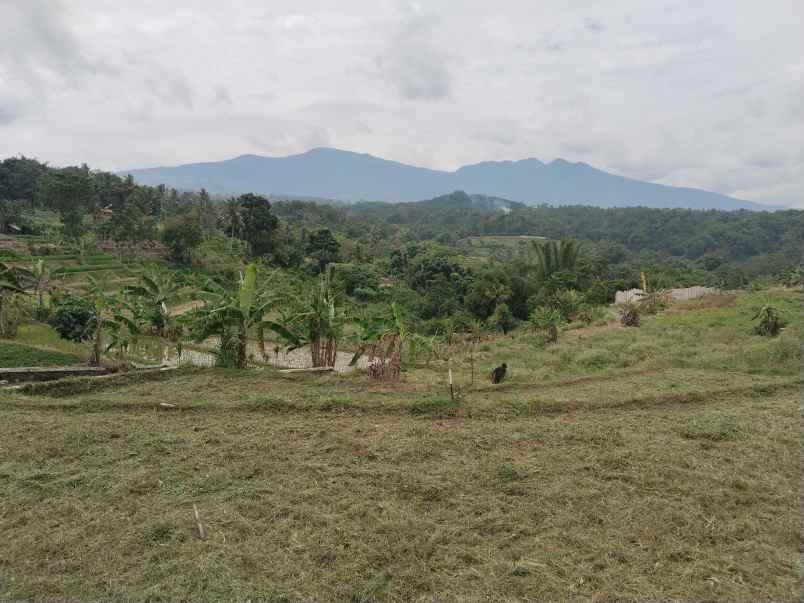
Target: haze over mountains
x=344 y=175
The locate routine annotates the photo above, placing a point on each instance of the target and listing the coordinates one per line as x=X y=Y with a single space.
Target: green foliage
x=13 y=306
x=319 y=320
x=769 y=323
x=257 y=224
x=229 y=313
x=13 y=355
x=73 y=317
x=568 y=302
x=71 y=192
x=652 y=302
x=155 y=293
x=354 y=277
x=323 y=247
x=182 y=235
x=502 y=319
x=553 y=257
x=547 y=320
x=630 y=315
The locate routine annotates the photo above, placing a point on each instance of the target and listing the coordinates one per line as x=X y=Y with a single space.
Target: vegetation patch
x=13 y=355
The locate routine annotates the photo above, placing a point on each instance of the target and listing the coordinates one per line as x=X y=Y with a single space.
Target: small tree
x=257 y=224
x=324 y=248
x=73 y=317
x=502 y=319
x=182 y=235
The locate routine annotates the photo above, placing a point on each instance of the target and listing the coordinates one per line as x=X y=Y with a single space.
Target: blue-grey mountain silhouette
x=347 y=176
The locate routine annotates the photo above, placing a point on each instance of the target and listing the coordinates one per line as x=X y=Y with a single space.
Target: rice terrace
x=240 y=364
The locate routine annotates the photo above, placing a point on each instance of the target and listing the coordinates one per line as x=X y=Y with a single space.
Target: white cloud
x=685 y=93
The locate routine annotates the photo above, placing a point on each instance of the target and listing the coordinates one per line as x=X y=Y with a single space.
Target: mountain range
x=347 y=176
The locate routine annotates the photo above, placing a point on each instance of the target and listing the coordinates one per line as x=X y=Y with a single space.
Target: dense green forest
x=448 y=261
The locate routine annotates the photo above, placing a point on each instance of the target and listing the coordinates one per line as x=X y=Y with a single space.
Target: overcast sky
x=697 y=93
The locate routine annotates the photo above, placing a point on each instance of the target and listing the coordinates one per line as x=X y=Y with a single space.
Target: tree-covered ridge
x=446 y=262
x=678 y=232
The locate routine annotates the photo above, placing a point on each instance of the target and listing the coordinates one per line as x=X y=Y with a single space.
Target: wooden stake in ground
x=202 y=533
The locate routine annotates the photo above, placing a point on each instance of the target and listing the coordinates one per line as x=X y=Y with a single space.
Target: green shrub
x=73 y=318
x=770 y=321
x=630 y=315
x=547 y=320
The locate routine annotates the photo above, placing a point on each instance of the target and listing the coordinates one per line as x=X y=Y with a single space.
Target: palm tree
x=553 y=256
x=231 y=314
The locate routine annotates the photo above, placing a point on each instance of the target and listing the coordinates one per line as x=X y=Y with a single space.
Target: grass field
x=660 y=463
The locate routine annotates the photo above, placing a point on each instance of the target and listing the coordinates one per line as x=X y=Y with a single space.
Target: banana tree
x=40 y=280
x=230 y=314
x=156 y=291
x=385 y=339
x=12 y=285
x=318 y=321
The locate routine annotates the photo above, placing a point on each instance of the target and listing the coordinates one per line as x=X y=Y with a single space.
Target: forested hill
x=338 y=174
x=682 y=232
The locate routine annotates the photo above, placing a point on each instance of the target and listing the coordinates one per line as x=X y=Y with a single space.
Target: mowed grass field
x=660 y=463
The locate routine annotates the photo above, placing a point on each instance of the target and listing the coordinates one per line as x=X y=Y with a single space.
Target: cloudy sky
x=706 y=94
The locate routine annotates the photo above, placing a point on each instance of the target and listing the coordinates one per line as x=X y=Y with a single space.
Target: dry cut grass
x=662 y=501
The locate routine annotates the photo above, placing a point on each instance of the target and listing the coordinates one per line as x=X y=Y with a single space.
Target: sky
x=687 y=93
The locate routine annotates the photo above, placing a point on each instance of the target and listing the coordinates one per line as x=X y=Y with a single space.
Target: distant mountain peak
x=327 y=172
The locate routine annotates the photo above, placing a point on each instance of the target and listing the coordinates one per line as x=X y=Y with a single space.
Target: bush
x=357 y=277
x=652 y=302
x=547 y=320
x=770 y=322
x=502 y=319
x=367 y=294
x=41 y=313
x=630 y=315
x=588 y=314
x=73 y=318
x=568 y=303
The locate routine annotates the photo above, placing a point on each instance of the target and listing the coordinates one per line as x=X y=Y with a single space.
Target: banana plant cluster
x=230 y=314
